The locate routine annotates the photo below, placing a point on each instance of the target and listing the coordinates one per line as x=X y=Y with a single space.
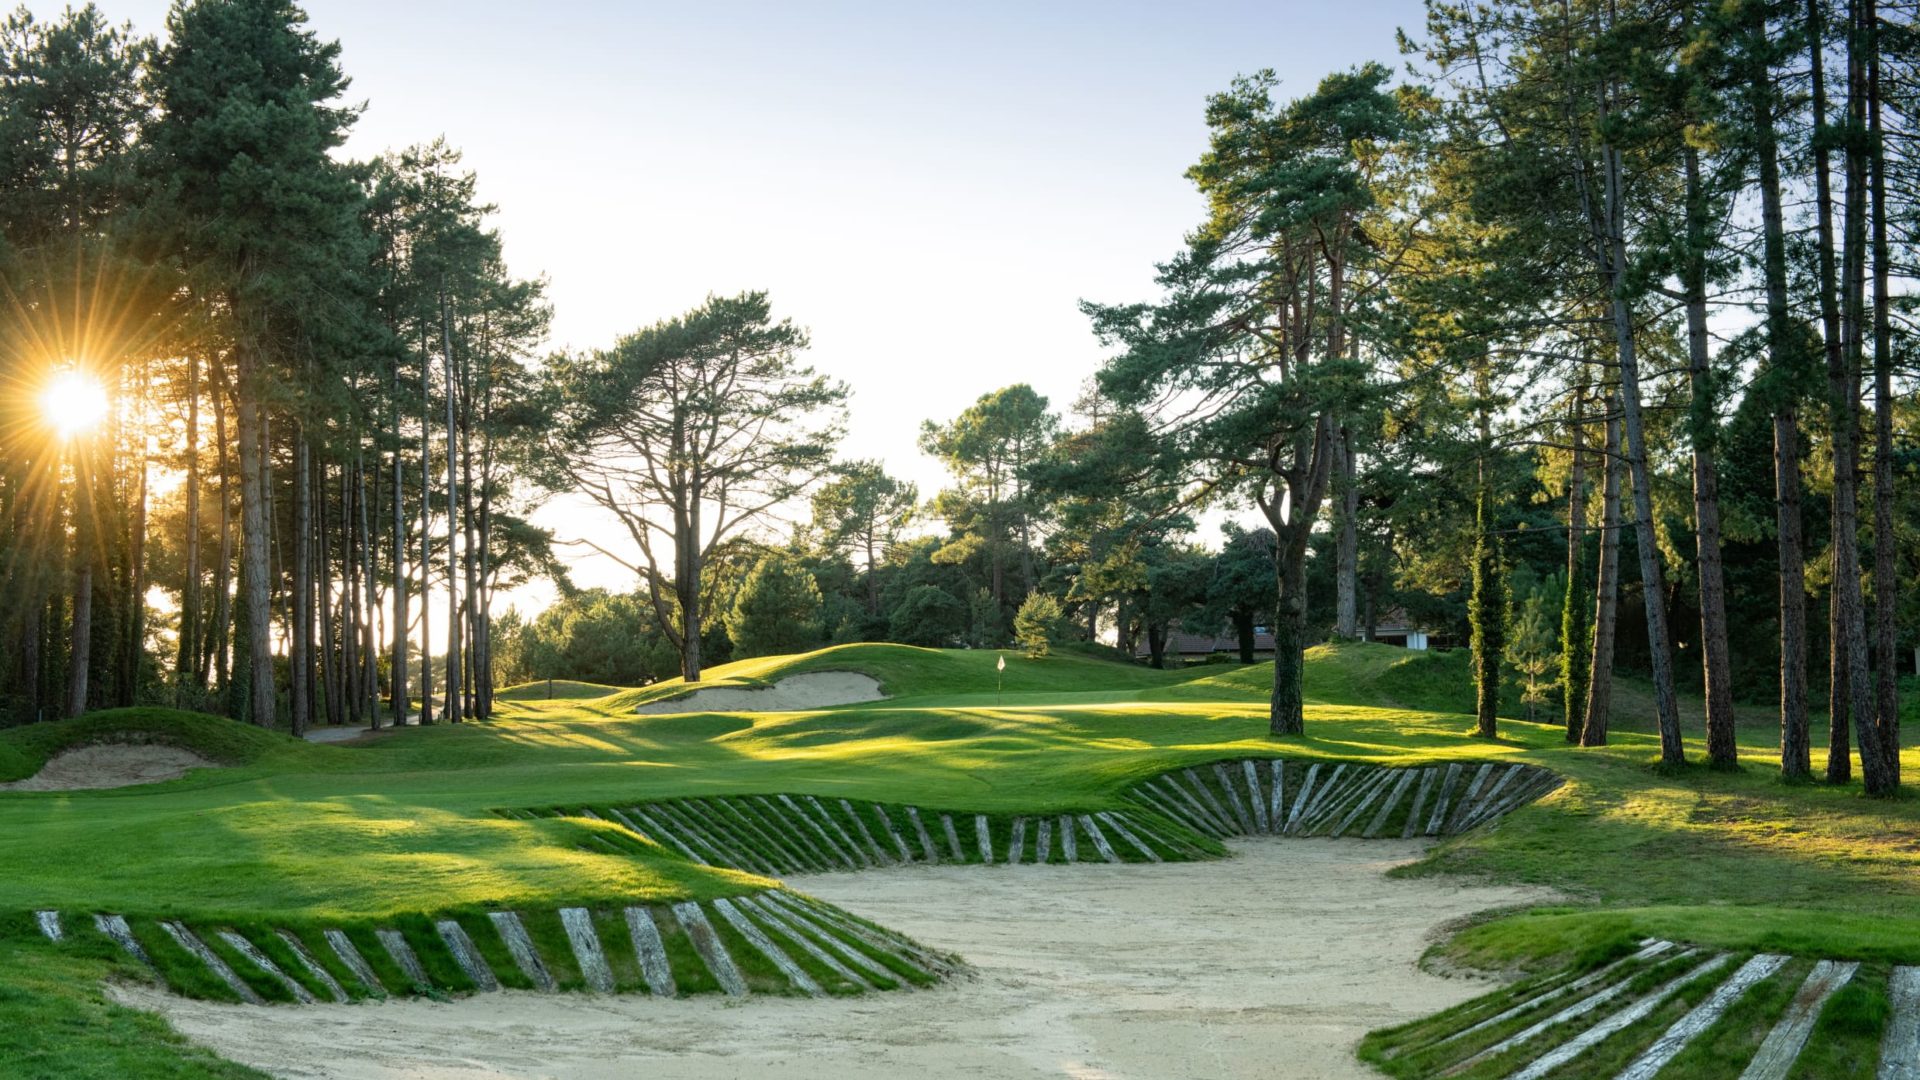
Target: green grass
x=297 y=835
x=554 y=689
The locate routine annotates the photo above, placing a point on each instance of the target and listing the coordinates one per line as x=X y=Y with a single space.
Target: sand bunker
x=813 y=690
x=1267 y=965
x=111 y=765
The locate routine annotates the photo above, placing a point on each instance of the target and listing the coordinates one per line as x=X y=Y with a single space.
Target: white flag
x=1003 y=662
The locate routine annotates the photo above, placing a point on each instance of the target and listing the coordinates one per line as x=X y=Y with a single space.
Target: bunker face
x=110 y=765
x=1631 y=1018
x=1082 y=971
x=812 y=690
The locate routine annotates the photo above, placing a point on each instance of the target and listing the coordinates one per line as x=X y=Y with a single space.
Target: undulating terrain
x=575 y=843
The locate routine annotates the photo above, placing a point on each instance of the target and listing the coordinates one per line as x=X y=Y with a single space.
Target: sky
x=929 y=188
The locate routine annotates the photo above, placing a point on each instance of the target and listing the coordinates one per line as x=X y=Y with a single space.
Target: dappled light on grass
x=411 y=822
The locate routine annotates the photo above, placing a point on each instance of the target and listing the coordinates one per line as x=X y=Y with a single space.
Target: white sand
x=1268 y=965
x=111 y=765
x=812 y=690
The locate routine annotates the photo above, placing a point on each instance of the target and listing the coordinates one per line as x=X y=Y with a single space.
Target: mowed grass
x=405 y=823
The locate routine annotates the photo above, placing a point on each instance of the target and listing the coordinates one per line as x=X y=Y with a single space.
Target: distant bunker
x=795 y=693
x=111 y=765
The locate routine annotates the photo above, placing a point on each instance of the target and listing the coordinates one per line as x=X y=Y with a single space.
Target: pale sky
x=929 y=188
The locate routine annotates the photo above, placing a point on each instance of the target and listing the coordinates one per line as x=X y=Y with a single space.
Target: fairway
x=976 y=542
x=421 y=826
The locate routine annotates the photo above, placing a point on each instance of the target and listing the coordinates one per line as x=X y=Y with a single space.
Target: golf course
x=1003 y=541
x=279 y=841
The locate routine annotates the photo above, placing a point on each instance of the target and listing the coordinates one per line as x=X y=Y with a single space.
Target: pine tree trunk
x=329 y=656
x=1599 y=710
x=221 y=637
x=1573 y=608
x=426 y=537
x=254 y=555
x=300 y=658
x=1347 y=542
x=1784 y=367
x=186 y=665
x=398 y=662
x=469 y=534
x=483 y=595
x=1156 y=644
x=1851 y=691
x=1243 y=632
x=456 y=710
x=1652 y=583
x=1839 y=743
x=134 y=646
x=1488 y=604
x=686 y=587
x=369 y=700
x=80 y=624
x=1883 y=776
x=1723 y=751
x=1306 y=482
x=350 y=695
x=1287 y=706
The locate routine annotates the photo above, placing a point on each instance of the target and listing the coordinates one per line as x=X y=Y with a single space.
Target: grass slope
x=405 y=824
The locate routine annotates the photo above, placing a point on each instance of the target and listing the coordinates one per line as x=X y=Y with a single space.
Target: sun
x=73 y=403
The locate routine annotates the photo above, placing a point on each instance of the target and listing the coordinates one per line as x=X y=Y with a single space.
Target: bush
x=1039 y=625
x=776 y=611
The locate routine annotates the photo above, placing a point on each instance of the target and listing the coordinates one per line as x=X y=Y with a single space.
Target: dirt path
x=1267 y=965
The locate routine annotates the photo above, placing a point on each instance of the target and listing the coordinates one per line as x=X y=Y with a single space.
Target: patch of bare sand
x=1267 y=965
x=810 y=690
x=111 y=765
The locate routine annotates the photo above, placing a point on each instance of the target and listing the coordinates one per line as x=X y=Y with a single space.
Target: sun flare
x=73 y=403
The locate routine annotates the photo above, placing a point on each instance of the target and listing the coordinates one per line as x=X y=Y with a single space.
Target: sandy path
x=1268 y=965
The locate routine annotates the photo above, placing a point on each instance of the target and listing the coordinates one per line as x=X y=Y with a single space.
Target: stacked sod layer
x=1271 y=796
x=1177 y=816
x=780 y=835
x=771 y=941
x=1669 y=1011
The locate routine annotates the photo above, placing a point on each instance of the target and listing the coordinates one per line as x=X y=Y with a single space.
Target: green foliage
x=592 y=636
x=861 y=512
x=1039 y=625
x=777 y=609
x=1531 y=644
x=690 y=431
x=928 y=616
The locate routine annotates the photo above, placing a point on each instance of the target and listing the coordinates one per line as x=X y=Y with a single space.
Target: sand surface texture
x=813 y=690
x=1270 y=964
x=110 y=766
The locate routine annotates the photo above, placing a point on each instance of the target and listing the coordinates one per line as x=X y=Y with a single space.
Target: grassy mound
x=907 y=671
x=554 y=689
x=24 y=750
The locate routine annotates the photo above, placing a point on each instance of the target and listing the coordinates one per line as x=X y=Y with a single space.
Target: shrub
x=1039 y=625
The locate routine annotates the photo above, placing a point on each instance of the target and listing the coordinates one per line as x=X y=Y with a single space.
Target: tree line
x=1529 y=320
x=316 y=367
x=1497 y=345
